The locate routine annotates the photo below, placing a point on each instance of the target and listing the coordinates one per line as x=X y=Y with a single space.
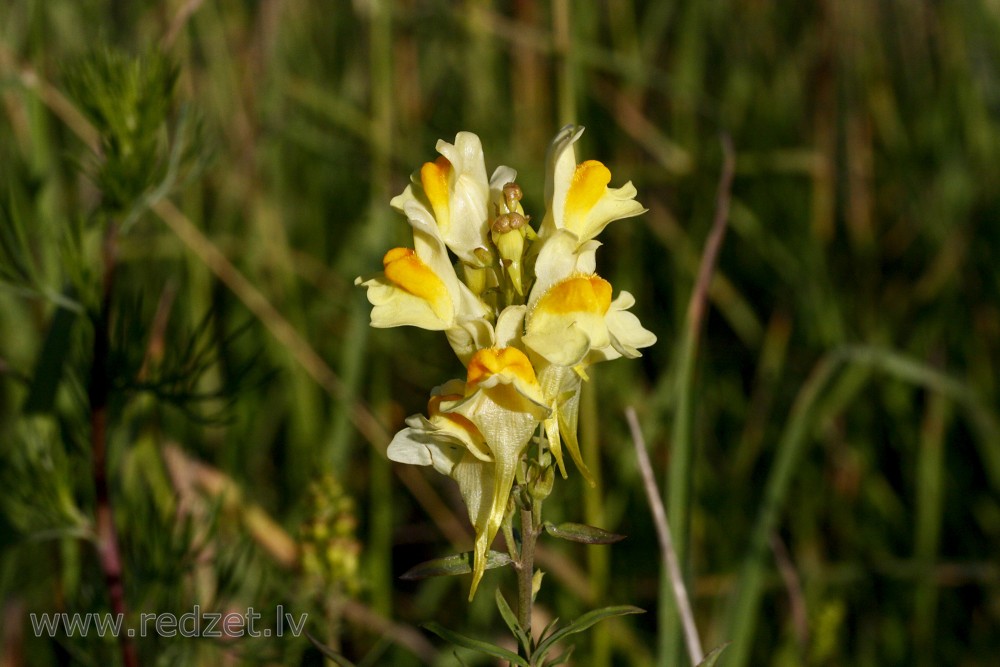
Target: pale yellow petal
x=626 y=333
x=477 y=483
x=561 y=256
x=468 y=194
x=561 y=164
x=510 y=326
x=470 y=334
x=457 y=425
x=562 y=385
x=393 y=306
x=561 y=346
x=424 y=447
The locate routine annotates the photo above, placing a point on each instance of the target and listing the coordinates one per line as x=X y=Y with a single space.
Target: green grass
x=842 y=394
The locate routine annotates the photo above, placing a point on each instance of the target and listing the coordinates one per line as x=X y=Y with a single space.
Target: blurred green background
x=829 y=450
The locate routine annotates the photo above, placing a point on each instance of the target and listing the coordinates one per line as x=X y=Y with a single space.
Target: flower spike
x=525 y=312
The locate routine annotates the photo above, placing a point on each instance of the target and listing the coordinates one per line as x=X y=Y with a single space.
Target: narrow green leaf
x=475 y=644
x=584 y=622
x=49 y=367
x=562 y=658
x=579 y=532
x=338 y=659
x=713 y=656
x=452 y=565
x=551 y=625
x=511 y=620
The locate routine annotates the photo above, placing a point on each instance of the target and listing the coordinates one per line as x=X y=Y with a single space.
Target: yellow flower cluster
x=523 y=310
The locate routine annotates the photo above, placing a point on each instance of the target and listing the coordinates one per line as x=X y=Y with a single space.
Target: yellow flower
x=569 y=326
x=419 y=287
x=580 y=205
x=574 y=322
x=448 y=205
x=505 y=402
x=476 y=432
x=447 y=208
x=449 y=198
x=441 y=439
x=577 y=195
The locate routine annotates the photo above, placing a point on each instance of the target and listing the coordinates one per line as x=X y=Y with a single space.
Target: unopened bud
x=511 y=195
x=541 y=487
x=506 y=222
x=511 y=248
x=484 y=256
x=475 y=278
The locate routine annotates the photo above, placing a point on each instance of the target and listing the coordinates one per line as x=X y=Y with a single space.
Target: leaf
x=452 y=565
x=713 y=656
x=338 y=659
x=562 y=658
x=52 y=358
x=551 y=624
x=584 y=622
x=579 y=532
x=511 y=620
x=475 y=644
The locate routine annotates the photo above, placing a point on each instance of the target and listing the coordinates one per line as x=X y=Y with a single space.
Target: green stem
x=530 y=518
x=562 y=19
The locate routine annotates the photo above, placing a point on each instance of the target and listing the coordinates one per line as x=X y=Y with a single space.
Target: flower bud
x=475 y=278
x=511 y=196
x=510 y=245
x=541 y=487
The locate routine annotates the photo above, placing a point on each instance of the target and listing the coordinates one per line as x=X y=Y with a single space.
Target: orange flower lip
x=508 y=361
x=590 y=294
x=434 y=177
x=590 y=182
x=406 y=270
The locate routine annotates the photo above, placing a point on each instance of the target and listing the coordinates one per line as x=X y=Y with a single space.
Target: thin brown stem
x=699 y=295
x=667 y=551
x=526 y=569
x=99 y=393
x=796 y=597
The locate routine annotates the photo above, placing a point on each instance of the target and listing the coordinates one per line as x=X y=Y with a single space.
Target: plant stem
x=526 y=565
x=99 y=392
x=671 y=565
